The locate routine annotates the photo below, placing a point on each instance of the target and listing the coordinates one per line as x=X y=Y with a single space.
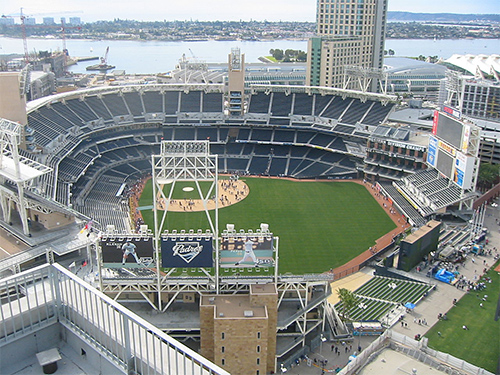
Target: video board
x=178 y=252
x=452 y=163
x=448 y=129
x=127 y=252
x=445 y=163
x=246 y=251
x=448 y=151
x=417 y=245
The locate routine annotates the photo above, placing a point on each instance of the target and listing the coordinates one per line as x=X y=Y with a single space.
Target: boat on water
x=103 y=65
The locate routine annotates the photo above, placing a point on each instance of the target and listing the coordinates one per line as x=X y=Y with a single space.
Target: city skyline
x=285 y=10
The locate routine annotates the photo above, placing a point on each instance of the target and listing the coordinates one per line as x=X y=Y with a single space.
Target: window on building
x=222 y=336
x=223 y=361
x=258 y=348
x=222 y=349
x=258 y=361
x=258 y=335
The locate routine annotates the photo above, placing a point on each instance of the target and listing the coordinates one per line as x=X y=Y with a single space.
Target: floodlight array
x=185 y=147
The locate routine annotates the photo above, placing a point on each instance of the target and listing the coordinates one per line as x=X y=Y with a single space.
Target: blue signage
x=432 y=152
x=186 y=252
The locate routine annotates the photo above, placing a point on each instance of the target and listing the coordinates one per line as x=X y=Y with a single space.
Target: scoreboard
x=448 y=149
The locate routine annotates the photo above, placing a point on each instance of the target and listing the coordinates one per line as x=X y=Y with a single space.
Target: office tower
x=75 y=21
x=349 y=33
x=30 y=21
x=48 y=21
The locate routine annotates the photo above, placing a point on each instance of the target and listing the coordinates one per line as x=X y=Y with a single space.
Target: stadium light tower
x=363 y=78
x=180 y=161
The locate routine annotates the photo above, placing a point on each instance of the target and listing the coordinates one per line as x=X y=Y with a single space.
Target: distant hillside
x=441 y=17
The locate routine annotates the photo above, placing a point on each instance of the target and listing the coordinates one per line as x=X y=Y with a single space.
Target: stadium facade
x=78 y=149
x=69 y=156
x=413 y=78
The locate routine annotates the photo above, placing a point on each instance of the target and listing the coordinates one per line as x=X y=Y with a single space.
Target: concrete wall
x=271 y=303
x=27 y=346
x=17 y=354
x=207 y=314
x=12 y=103
x=242 y=346
x=92 y=357
x=51 y=221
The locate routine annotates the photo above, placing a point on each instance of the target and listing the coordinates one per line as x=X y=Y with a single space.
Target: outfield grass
x=321 y=225
x=480 y=344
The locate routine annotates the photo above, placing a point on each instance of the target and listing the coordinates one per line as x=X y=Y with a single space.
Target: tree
x=349 y=300
x=290 y=53
x=488 y=175
x=302 y=56
x=277 y=54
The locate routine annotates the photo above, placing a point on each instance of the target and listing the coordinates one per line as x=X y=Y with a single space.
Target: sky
x=210 y=10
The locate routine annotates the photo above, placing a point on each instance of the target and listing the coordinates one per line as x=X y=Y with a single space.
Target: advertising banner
x=246 y=252
x=435 y=122
x=178 y=252
x=465 y=139
x=452 y=111
x=127 y=252
x=446 y=147
x=463 y=174
x=432 y=152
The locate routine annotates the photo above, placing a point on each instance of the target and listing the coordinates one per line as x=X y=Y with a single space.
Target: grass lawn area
x=321 y=225
x=480 y=345
x=271 y=58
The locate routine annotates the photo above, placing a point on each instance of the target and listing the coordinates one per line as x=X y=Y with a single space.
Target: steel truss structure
x=364 y=78
x=185 y=161
x=301 y=299
x=16 y=170
x=453 y=84
x=344 y=93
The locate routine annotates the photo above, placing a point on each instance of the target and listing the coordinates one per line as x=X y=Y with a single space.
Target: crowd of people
x=133 y=193
x=231 y=191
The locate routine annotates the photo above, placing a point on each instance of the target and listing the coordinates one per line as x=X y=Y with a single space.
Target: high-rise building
x=76 y=21
x=48 y=21
x=31 y=21
x=7 y=21
x=349 y=33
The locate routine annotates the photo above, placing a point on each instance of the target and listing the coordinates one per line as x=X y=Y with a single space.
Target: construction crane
x=65 y=51
x=23 y=29
x=25 y=42
x=103 y=65
x=23 y=16
x=104 y=60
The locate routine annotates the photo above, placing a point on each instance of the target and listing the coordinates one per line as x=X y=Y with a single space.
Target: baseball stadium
x=189 y=174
